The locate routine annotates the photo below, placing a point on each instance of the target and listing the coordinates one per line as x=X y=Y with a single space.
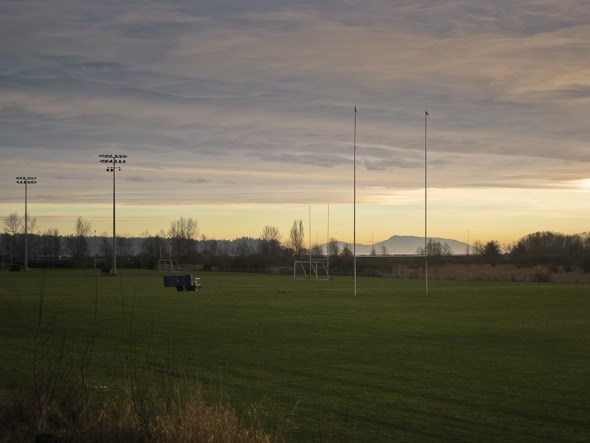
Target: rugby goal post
x=167 y=264
x=316 y=268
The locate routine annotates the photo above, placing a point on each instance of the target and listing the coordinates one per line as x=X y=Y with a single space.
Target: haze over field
x=241 y=115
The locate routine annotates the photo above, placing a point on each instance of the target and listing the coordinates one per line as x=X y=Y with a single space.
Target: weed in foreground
x=166 y=417
x=57 y=404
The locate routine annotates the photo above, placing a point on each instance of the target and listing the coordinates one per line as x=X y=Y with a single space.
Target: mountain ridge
x=405 y=244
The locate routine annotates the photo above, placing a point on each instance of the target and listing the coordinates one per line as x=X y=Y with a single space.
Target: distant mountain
x=405 y=244
x=397 y=244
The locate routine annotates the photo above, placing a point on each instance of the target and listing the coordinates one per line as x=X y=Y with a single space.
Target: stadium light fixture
x=26 y=181
x=114 y=161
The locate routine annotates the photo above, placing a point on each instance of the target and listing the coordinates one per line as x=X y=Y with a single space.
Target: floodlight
x=113 y=160
x=26 y=181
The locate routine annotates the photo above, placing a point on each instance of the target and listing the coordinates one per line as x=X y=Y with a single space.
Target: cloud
x=262 y=92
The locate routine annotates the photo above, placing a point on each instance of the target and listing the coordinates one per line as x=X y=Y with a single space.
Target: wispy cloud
x=268 y=87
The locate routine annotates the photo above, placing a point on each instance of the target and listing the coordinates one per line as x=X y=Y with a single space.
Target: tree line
x=184 y=243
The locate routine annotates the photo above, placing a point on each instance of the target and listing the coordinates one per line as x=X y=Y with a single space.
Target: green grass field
x=471 y=361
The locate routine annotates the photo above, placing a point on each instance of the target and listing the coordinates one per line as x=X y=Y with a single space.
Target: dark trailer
x=186 y=282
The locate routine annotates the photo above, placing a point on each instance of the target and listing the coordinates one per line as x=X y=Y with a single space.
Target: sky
x=241 y=114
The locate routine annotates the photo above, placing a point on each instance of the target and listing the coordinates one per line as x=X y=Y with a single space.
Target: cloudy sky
x=240 y=114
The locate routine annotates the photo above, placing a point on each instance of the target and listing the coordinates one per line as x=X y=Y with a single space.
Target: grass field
x=471 y=361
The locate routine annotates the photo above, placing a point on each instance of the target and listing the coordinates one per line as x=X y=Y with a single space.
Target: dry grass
x=179 y=414
x=488 y=272
x=56 y=404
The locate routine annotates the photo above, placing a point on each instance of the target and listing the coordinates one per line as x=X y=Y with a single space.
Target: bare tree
x=183 y=234
x=478 y=247
x=270 y=233
x=35 y=243
x=50 y=240
x=333 y=247
x=436 y=249
x=446 y=249
x=13 y=225
x=296 y=235
x=243 y=247
x=32 y=224
x=151 y=245
x=270 y=242
x=209 y=246
x=78 y=243
x=83 y=227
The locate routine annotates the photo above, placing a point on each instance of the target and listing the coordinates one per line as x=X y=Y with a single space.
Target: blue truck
x=187 y=282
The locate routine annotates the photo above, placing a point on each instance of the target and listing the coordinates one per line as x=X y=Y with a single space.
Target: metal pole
x=354 y=208
x=309 y=214
x=426 y=114
x=26 y=181
x=114 y=234
x=113 y=160
x=327 y=244
x=26 y=230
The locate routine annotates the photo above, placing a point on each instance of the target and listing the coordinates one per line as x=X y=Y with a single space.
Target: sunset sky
x=240 y=114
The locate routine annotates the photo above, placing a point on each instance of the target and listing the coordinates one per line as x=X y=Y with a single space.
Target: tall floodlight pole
x=309 y=241
x=26 y=181
x=113 y=160
x=426 y=115
x=327 y=243
x=354 y=208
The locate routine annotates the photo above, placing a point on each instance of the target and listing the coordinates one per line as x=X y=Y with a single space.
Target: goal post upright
x=167 y=264
x=426 y=252
x=328 y=242
x=354 y=206
x=426 y=115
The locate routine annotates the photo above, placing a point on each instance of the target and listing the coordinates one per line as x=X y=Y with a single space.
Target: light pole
x=426 y=115
x=354 y=207
x=26 y=181
x=113 y=160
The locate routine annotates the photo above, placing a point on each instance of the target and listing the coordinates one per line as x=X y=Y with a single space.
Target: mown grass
x=470 y=361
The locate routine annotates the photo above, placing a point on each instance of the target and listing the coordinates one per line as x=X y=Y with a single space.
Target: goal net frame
x=312 y=268
x=168 y=264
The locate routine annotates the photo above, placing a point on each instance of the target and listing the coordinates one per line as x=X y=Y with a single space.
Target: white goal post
x=167 y=264
x=316 y=268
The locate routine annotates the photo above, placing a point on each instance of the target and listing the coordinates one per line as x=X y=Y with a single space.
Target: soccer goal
x=168 y=264
x=316 y=268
